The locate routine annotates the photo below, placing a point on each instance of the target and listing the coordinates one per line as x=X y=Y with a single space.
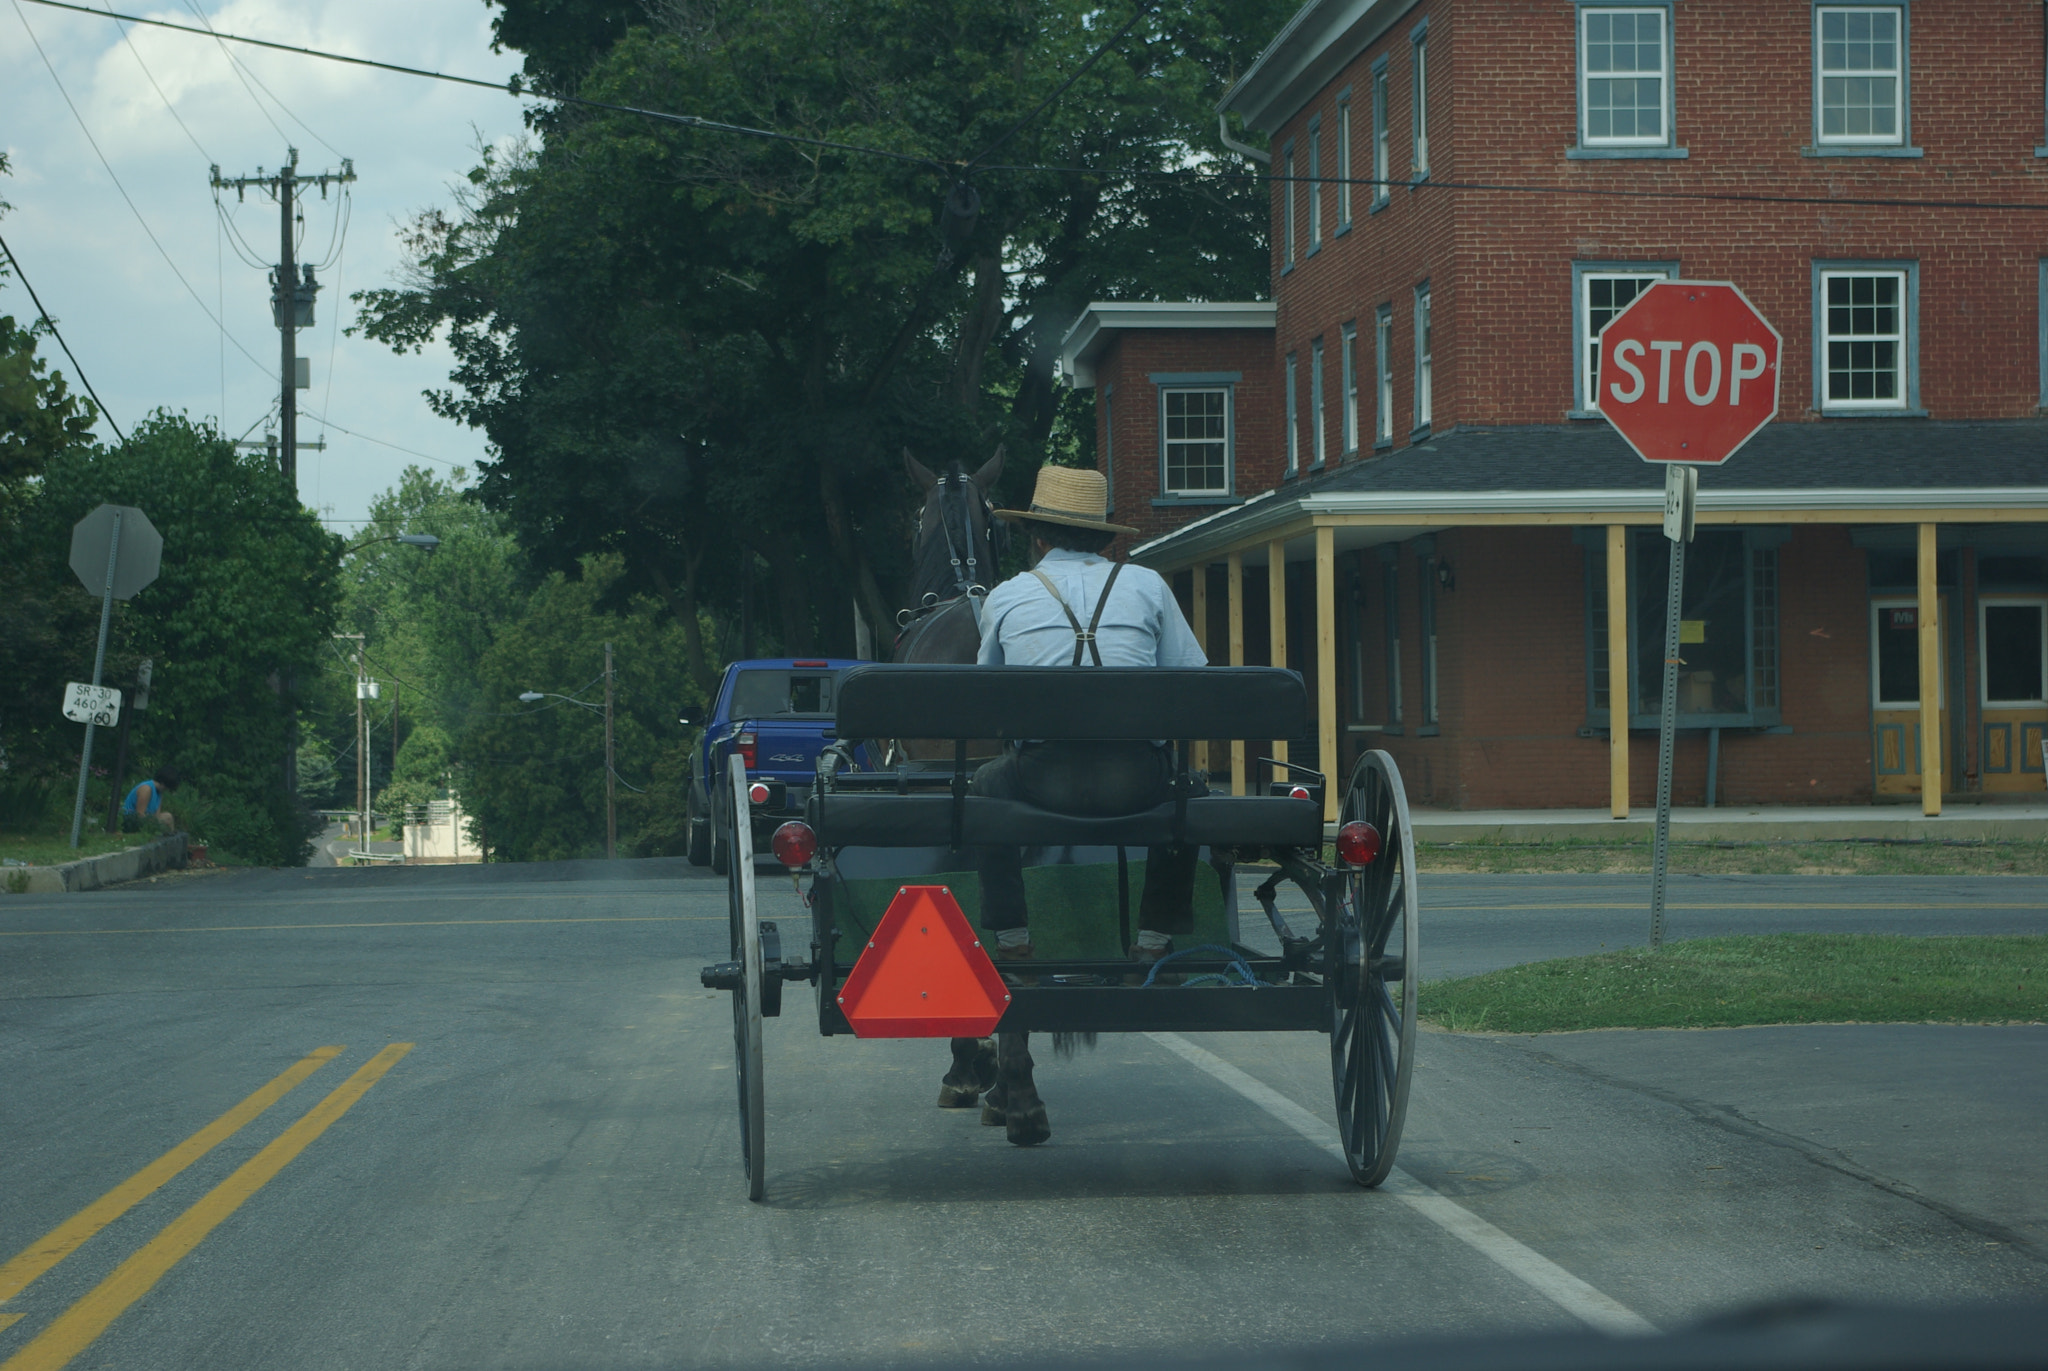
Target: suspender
x=1083 y=637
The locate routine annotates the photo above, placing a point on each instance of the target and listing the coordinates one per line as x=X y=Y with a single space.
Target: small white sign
x=89 y=704
x=1681 y=494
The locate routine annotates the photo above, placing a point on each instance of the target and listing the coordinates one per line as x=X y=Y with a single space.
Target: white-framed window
x=1382 y=137
x=1865 y=359
x=1293 y=417
x=1287 y=212
x=1196 y=440
x=1349 y=344
x=1315 y=184
x=1320 y=443
x=1344 y=160
x=1601 y=290
x=1420 y=159
x=1109 y=443
x=1859 y=75
x=2012 y=651
x=1424 y=380
x=1624 y=77
x=1383 y=374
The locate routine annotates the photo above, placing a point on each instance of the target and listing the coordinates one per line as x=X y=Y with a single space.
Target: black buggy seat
x=1084 y=704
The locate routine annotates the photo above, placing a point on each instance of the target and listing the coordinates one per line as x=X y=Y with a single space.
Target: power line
x=949 y=168
x=329 y=423
x=200 y=14
x=51 y=324
x=512 y=88
x=132 y=208
x=1143 y=9
x=136 y=53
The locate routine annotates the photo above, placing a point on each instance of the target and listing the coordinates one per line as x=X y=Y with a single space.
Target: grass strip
x=44 y=849
x=1783 y=978
x=1830 y=857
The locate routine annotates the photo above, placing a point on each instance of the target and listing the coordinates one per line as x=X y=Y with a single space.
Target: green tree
x=702 y=352
x=533 y=774
x=239 y=614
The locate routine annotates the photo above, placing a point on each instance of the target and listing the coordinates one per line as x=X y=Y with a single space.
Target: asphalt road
x=548 y=1175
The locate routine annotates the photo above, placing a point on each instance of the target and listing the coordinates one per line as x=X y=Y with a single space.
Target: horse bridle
x=965 y=574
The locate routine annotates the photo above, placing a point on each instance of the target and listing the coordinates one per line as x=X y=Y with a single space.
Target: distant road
x=483 y=1115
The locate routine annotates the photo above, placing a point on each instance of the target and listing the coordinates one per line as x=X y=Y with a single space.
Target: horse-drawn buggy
x=887 y=859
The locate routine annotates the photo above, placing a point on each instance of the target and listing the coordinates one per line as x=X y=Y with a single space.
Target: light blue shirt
x=1142 y=625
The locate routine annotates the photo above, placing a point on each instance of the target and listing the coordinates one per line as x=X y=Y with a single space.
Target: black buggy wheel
x=1373 y=986
x=745 y=923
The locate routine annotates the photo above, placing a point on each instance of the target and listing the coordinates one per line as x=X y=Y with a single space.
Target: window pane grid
x=1316 y=412
x=1315 y=186
x=1602 y=297
x=1424 y=389
x=1382 y=157
x=1422 y=107
x=1624 y=56
x=1350 y=365
x=1763 y=620
x=1863 y=322
x=1344 y=161
x=1383 y=362
x=1860 y=75
x=1197 y=442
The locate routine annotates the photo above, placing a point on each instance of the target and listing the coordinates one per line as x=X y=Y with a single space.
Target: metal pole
x=1667 y=727
x=611 y=778
x=99 y=664
x=362 y=756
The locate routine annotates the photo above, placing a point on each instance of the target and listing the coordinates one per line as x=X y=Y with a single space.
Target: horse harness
x=1084 y=638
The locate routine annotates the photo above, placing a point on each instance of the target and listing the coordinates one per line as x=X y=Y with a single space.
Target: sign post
x=1688 y=374
x=97 y=560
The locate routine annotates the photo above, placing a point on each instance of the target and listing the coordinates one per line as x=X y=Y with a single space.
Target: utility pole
x=611 y=777
x=292 y=291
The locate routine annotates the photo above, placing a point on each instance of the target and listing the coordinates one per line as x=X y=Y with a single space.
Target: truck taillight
x=745 y=744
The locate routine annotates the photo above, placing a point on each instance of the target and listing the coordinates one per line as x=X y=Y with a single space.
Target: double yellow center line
x=74 y=1330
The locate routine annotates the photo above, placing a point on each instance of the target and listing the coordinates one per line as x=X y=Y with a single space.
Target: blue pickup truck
x=777 y=715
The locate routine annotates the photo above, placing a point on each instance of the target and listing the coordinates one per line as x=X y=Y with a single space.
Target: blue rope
x=1237 y=964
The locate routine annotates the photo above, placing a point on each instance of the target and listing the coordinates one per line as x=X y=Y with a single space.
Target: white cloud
x=137 y=332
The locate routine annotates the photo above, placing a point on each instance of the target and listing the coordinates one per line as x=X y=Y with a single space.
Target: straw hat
x=1068 y=495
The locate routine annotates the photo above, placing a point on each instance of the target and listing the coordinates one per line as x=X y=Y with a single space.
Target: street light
x=426 y=542
x=611 y=777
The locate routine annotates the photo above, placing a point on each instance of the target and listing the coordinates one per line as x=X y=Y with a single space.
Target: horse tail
x=1065 y=1045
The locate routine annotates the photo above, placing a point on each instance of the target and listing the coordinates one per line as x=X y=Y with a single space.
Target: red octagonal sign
x=1689 y=372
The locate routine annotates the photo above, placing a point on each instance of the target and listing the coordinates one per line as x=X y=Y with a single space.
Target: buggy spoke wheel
x=1372 y=977
x=745 y=921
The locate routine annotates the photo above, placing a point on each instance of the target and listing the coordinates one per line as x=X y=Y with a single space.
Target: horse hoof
x=1028 y=1128
x=958 y=1096
x=992 y=1114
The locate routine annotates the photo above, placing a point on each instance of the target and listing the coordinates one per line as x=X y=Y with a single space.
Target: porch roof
x=1833 y=471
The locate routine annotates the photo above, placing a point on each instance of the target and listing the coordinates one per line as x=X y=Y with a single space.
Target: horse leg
x=1023 y=1112
x=973 y=1071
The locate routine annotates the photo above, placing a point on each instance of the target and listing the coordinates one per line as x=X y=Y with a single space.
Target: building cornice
x=1259 y=519
x=1104 y=319
x=1322 y=38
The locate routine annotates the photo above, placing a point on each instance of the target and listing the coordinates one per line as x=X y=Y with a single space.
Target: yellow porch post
x=1276 y=614
x=1236 y=581
x=1617 y=670
x=1326 y=667
x=1201 y=627
x=1928 y=613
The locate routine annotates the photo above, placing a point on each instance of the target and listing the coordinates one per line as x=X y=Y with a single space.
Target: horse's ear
x=925 y=480
x=990 y=470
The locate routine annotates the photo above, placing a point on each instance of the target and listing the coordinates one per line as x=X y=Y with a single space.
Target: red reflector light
x=1299 y=792
x=757 y=793
x=794 y=844
x=1358 y=843
x=809 y=663
x=745 y=745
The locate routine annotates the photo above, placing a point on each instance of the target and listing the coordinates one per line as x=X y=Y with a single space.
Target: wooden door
x=1895 y=696
x=2012 y=675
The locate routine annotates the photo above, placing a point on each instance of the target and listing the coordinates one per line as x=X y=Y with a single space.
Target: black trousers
x=1095 y=780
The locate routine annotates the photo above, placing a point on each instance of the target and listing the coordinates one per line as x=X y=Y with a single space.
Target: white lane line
x=1582 y=1301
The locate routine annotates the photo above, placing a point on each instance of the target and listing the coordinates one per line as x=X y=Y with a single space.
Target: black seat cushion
x=1088 y=703
x=927 y=821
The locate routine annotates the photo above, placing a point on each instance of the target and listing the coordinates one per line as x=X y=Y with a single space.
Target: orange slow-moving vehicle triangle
x=923 y=974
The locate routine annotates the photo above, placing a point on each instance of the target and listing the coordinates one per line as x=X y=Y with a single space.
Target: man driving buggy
x=1075 y=607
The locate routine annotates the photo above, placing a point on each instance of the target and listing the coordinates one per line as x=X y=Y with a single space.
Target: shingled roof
x=1837 y=465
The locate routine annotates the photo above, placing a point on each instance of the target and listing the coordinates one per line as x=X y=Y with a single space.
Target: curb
x=91 y=873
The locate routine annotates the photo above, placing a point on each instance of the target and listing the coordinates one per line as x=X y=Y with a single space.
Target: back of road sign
x=142 y=550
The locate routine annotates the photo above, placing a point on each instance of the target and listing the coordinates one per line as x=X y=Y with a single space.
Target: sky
x=140 y=336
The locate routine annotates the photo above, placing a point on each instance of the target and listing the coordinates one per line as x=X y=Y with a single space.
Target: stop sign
x=1688 y=372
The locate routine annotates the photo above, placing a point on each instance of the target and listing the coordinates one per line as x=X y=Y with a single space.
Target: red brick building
x=1470 y=566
